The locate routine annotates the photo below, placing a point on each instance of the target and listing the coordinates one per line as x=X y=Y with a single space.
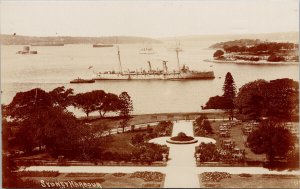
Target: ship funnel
x=165 y=66
x=150 y=69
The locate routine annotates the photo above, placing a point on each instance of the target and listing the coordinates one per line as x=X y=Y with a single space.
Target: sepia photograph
x=150 y=94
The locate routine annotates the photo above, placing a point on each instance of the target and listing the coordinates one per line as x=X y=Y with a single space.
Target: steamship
x=183 y=73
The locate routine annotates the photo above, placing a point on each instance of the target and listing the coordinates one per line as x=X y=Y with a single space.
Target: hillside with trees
x=255 y=51
x=28 y=40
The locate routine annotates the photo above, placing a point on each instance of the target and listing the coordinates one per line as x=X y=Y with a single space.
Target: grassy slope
x=256 y=181
x=122 y=142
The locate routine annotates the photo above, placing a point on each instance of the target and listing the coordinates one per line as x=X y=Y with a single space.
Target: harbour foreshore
x=252 y=62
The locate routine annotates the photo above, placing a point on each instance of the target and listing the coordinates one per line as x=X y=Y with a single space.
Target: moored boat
x=102 y=45
x=79 y=80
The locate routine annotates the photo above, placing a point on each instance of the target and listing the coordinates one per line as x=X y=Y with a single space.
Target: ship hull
x=99 y=46
x=82 y=81
x=167 y=76
x=42 y=44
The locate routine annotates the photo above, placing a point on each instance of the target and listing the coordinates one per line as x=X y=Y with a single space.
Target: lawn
x=254 y=181
x=106 y=180
x=121 y=143
x=114 y=122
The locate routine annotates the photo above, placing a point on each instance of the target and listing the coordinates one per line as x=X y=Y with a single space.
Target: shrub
x=208 y=152
x=202 y=126
x=182 y=137
x=274 y=58
x=181 y=134
x=164 y=128
x=138 y=138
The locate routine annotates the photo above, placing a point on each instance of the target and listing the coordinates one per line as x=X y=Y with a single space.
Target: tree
x=229 y=89
x=283 y=98
x=86 y=102
x=111 y=103
x=217 y=102
x=277 y=99
x=99 y=97
x=124 y=123
x=40 y=120
x=61 y=97
x=26 y=104
x=125 y=109
x=60 y=130
x=272 y=139
x=125 y=104
x=251 y=100
x=218 y=54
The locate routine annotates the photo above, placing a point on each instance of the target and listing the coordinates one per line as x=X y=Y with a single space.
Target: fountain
x=182 y=138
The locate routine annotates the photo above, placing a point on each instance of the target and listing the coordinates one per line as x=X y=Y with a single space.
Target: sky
x=148 y=18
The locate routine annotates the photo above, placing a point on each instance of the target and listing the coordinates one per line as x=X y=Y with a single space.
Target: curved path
x=181 y=171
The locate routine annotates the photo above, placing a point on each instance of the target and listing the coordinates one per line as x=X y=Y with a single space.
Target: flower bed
x=214 y=176
x=119 y=174
x=148 y=176
x=38 y=173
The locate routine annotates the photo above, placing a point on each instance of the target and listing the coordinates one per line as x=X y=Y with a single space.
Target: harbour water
x=55 y=66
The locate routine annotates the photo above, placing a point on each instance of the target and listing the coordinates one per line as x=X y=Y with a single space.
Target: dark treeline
x=27 y=40
x=277 y=99
x=261 y=48
x=255 y=50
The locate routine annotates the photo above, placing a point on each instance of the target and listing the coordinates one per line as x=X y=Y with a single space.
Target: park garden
x=39 y=130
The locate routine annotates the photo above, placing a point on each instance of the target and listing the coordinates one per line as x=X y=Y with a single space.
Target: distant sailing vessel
x=102 y=45
x=147 y=50
x=178 y=47
x=47 y=44
x=183 y=73
x=79 y=80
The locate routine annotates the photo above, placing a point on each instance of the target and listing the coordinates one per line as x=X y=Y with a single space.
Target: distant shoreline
x=252 y=62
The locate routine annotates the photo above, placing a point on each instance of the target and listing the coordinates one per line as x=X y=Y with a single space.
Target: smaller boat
x=26 y=50
x=79 y=80
x=102 y=45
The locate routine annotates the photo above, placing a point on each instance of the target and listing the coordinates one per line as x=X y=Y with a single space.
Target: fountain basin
x=182 y=142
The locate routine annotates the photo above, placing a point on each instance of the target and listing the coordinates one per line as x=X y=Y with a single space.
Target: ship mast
x=120 y=64
x=177 y=51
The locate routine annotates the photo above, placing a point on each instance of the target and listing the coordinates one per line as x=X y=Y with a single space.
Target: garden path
x=181 y=170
